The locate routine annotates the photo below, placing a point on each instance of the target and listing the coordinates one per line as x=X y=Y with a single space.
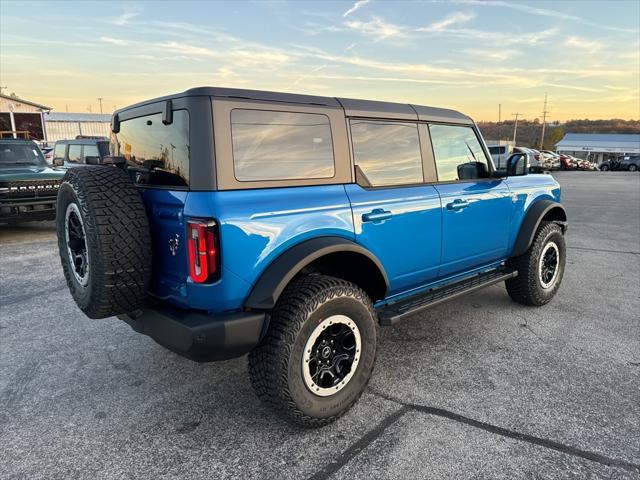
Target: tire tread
x=268 y=362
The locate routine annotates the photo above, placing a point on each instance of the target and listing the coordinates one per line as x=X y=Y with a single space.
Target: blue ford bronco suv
x=290 y=227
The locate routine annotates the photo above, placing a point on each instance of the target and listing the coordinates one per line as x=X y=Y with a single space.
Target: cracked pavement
x=477 y=388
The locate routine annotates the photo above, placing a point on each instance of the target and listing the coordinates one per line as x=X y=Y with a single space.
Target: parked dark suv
x=73 y=153
x=28 y=185
x=290 y=227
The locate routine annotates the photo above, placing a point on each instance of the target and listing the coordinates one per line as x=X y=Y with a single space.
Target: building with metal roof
x=65 y=126
x=598 y=147
x=22 y=118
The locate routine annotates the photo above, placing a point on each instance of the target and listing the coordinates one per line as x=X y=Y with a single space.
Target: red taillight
x=203 y=251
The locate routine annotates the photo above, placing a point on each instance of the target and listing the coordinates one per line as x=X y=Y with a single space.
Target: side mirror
x=517 y=165
x=472 y=170
x=92 y=160
x=58 y=162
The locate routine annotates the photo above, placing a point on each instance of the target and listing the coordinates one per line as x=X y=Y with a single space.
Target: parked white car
x=499 y=155
x=550 y=160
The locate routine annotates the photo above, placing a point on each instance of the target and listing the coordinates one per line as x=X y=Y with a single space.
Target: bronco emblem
x=173 y=244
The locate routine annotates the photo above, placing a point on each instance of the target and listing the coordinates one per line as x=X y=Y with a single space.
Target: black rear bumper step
x=393 y=313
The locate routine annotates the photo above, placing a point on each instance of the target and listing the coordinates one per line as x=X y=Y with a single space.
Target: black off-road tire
x=527 y=287
x=604 y=168
x=275 y=365
x=118 y=243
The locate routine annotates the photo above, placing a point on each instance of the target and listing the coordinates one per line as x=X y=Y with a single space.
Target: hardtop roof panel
x=375 y=109
x=263 y=95
x=445 y=115
x=352 y=107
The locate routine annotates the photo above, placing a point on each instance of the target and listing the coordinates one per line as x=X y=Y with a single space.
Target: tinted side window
x=281 y=145
x=458 y=153
x=388 y=153
x=91 y=151
x=75 y=154
x=160 y=151
x=58 y=151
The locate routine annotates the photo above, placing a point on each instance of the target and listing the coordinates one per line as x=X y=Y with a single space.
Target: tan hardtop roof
x=352 y=107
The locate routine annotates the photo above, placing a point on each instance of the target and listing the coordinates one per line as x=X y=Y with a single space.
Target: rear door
x=476 y=209
x=396 y=215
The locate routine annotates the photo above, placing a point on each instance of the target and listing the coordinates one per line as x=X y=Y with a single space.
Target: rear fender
x=277 y=276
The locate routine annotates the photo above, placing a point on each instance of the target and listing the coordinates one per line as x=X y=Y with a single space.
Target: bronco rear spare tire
x=104 y=240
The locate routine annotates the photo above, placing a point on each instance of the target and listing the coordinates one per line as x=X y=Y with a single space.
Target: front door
x=396 y=215
x=475 y=224
x=476 y=209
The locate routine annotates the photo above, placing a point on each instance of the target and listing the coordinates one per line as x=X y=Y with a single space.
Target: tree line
x=529 y=131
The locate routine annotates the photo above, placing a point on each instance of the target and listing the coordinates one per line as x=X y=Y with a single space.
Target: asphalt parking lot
x=478 y=388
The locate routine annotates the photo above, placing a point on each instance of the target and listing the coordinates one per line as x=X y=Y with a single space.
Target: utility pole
x=499 y=123
x=544 y=120
x=515 y=127
x=100 y=100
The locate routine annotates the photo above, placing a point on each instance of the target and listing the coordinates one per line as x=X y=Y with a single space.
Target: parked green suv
x=28 y=186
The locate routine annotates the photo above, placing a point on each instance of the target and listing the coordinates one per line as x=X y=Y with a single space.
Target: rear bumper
x=199 y=336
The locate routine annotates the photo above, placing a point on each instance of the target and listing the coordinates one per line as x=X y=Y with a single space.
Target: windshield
x=12 y=154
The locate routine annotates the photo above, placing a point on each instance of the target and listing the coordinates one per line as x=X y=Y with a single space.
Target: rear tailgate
x=170 y=264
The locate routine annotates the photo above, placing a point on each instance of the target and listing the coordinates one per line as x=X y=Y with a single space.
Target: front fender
x=534 y=216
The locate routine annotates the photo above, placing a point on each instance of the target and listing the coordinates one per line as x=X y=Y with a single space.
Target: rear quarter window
x=160 y=152
x=270 y=145
x=59 y=149
x=75 y=154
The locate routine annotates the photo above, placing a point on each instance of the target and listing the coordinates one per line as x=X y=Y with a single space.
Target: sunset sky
x=466 y=54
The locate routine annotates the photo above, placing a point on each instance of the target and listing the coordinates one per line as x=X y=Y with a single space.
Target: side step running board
x=393 y=313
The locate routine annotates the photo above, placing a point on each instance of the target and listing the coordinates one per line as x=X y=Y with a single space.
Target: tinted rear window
x=271 y=145
x=497 y=150
x=160 y=151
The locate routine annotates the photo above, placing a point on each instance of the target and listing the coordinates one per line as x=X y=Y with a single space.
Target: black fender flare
x=278 y=274
x=532 y=221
